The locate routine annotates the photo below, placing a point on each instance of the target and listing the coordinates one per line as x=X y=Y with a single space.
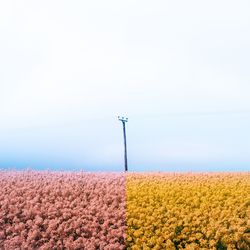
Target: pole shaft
x=125 y=147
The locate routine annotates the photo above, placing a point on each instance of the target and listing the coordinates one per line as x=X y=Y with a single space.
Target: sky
x=179 y=70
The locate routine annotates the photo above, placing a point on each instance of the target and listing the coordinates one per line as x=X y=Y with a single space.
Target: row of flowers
x=188 y=211
x=62 y=210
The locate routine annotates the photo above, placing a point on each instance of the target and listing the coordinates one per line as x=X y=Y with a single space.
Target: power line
x=78 y=122
x=196 y=114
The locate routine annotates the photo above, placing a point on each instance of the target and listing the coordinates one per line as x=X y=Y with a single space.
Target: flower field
x=188 y=211
x=112 y=211
x=57 y=210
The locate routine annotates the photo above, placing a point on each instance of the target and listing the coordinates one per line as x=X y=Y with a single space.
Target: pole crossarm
x=122 y=119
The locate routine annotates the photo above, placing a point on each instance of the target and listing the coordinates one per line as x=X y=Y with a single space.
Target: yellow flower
x=186 y=208
x=129 y=238
x=137 y=233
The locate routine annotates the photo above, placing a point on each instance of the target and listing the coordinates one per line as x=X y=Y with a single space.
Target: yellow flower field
x=188 y=211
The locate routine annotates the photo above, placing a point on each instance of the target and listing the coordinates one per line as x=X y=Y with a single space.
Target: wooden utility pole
x=124 y=120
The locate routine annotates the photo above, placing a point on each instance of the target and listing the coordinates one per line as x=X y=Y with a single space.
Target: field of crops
x=66 y=210
x=56 y=210
x=188 y=211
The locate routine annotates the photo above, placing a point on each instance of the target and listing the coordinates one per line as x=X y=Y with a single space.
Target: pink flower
x=52 y=210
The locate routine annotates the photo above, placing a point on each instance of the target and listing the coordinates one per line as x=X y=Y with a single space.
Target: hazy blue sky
x=178 y=69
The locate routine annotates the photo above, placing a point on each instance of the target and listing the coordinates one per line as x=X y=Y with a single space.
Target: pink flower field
x=61 y=210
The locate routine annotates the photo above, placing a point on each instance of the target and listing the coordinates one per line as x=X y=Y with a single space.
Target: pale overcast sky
x=178 y=69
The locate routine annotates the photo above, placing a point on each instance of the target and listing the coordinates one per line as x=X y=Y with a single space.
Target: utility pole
x=124 y=120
